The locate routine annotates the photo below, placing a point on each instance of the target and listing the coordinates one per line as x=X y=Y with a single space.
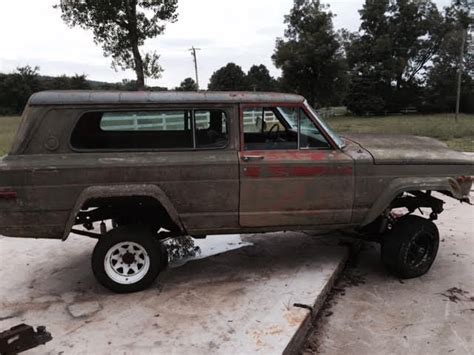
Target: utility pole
x=193 y=53
x=460 y=71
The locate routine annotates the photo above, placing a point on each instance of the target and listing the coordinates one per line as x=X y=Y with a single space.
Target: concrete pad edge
x=299 y=338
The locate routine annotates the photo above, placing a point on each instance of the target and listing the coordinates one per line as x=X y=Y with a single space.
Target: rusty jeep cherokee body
x=215 y=163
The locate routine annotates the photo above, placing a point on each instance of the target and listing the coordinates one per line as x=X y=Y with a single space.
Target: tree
x=79 y=82
x=228 y=78
x=30 y=77
x=63 y=82
x=310 y=56
x=365 y=95
x=440 y=92
x=121 y=27
x=187 y=84
x=259 y=79
x=16 y=88
x=397 y=41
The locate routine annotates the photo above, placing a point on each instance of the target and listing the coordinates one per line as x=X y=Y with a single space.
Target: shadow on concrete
x=68 y=269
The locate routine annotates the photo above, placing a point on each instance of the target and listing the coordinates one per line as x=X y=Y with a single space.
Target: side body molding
x=400 y=185
x=140 y=190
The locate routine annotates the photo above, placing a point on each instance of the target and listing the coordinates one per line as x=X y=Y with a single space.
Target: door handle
x=252 y=157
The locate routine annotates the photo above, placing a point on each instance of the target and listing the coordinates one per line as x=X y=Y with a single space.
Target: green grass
x=8 y=126
x=459 y=136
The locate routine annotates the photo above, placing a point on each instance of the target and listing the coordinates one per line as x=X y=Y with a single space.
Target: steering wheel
x=275 y=126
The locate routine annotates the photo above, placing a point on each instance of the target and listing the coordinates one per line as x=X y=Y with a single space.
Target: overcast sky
x=244 y=32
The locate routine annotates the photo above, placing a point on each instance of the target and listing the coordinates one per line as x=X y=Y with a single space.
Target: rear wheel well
x=125 y=210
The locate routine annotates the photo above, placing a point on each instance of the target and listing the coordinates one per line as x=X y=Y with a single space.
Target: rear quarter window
x=161 y=129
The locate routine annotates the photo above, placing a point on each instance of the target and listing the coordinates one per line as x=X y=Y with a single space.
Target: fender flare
x=140 y=190
x=400 y=185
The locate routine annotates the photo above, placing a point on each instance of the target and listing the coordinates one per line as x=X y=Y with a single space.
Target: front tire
x=128 y=259
x=410 y=248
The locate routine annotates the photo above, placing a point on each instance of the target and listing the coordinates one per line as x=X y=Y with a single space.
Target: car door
x=291 y=173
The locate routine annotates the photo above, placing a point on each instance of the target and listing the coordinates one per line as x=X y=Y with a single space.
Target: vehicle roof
x=90 y=97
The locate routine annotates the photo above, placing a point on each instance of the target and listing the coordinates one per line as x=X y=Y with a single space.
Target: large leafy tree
x=440 y=91
x=395 y=45
x=121 y=28
x=228 y=78
x=259 y=79
x=310 y=55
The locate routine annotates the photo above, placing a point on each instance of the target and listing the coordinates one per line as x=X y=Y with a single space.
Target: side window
x=164 y=129
x=146 y=121
x=270 y=128
x=310 y=135
x=211 y=129
x=134 y=130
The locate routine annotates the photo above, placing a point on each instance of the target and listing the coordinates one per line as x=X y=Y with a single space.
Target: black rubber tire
x=401 y=255
x=164 y=255
x=129 y=233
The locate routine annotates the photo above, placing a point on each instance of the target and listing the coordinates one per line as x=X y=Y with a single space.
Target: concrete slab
x=237 y=302
x=432 y=314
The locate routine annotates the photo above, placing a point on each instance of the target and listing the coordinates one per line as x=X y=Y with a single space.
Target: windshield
x=340 y=143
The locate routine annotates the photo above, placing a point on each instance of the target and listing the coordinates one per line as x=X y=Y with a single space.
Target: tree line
x=17 y=87
x=404 y=57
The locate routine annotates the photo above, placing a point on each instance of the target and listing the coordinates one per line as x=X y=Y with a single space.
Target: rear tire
x=164 y=254
x=128 y=259
x=410 y=248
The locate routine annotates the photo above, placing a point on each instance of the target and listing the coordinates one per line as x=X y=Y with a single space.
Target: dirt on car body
x=215 y=163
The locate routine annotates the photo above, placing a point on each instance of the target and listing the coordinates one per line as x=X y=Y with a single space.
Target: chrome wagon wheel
x=126 y=263
x=128 y=258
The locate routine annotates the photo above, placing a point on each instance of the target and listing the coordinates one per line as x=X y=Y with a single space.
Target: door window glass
x=310 y=135
x=269 y=128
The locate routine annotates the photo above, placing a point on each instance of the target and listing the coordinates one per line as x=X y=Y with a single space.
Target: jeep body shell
x=45 y=181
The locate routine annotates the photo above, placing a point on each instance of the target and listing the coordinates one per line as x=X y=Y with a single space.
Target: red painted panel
x=8 y=195
x=286 y=155
x=278 y=171
x=253 y=171
x=321 y=171
x=297 y=171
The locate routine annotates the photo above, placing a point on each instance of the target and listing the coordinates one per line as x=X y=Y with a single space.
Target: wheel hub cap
x=128 y=258
x=126 y=263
